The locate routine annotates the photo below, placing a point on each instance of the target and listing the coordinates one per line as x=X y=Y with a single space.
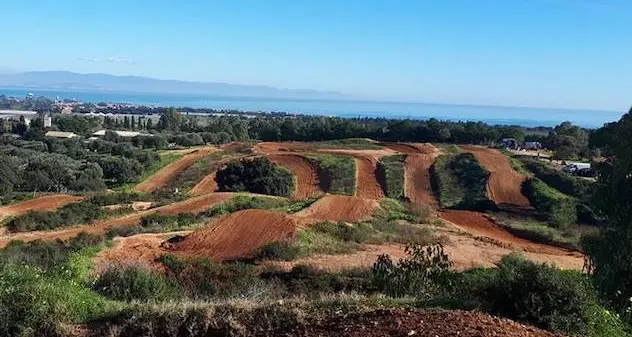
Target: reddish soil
x=307 y=183
x=505 y=184
x=193 y=205
x=340 y=207
x=413 y=322
x=367 y=185
x=41 y=204
x=205 y=186
x=480 y=225
x=237 y=236
x=274 y=147
x=171 y=171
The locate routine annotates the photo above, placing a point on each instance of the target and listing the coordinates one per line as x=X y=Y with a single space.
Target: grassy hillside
x=460 y=181
x=390 y=174
x=336 y=173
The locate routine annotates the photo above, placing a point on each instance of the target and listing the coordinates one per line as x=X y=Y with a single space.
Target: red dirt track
x=236 y=236
x=340 y=207
x=205 y=186
x=41 y=204
x=307 y=183
x=193 y=205
x=367 y=185
x=480 y=225
x=505 y=184
x=171 y=171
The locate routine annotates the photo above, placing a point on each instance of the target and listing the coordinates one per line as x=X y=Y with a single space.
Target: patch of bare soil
x=411 y=322
x=171 y=171
x=236 y=236
x=307 y=182
x=206 y=185
x=367 y=185
x=41 y=204
x=339 y=207
x=505 y=184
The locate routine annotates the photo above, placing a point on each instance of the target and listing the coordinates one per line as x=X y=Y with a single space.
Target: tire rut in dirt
x=307 y=182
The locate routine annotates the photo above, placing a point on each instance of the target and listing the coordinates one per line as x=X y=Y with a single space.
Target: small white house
x=125 y=134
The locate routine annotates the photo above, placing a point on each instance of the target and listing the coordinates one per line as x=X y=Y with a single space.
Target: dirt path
x=367 y=185
x=170 y=172
x=307 y=183
x=193 y=205
x=205 y=186
x=40 y=204
x=505 y=184
x=339 y=207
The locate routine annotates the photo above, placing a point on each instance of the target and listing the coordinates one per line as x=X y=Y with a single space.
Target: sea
x=495 y=115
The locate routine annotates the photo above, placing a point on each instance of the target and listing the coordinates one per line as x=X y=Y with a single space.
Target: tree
x=257 y=175
x=9 y=175
x=610 y=254
x=126 y=122
x=150 y=124
x=170 y=120
x=133 y=123
x=20 y=127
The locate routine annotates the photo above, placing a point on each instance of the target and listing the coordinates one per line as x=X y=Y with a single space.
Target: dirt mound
x=206 y=185
x=170 y=172
x=367 y=185
x=410 y=322
x=307 y=183
x=339 y=207
x=41 y=204
x=479 y=224
x=280 y=147
x=505 y=184
x=237 y=236
x=417 y=185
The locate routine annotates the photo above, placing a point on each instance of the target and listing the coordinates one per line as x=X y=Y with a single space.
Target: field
x=190 y=242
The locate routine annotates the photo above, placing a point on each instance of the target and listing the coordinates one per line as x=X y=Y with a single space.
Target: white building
x=16 y=114
x=125 y=134
x=61 y=134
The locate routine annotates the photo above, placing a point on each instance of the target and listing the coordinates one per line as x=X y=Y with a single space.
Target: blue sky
x=544 y=53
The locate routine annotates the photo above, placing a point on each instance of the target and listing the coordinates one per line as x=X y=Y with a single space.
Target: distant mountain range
x=65 y=80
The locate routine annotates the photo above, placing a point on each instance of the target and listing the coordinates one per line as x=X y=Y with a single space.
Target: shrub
x=537 y=294
x=258 y=175
x=424 y=273
x=358 y=233
x=168 y=223
x=336 y=173
x=281 y=251
x=461 y=181
x=71 y=214
x=560 y=209
x=390 y=174
x=46 y=254
x=242 y=202
x=128 y=282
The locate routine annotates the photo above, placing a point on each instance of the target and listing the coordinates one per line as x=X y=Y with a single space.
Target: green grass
x=336 y=173
x=390 y=174
x=190 y=176
x=349 y=143
x=461 y=182
x=448 y=148
x=516 y=164
x=560 y=209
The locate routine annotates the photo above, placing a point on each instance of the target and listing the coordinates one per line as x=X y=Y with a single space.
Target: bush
x=461 y=182
x=425 y=273
x=390 y=174
x=560 y=209
x=281 y=251
x=127 y=282
x=358 y=233
x=336 y=173
x=71 y=214
x=258 y=175
x=168 y=223
x=537 y=294
x=242 y=202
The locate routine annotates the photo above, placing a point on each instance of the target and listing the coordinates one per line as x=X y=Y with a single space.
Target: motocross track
x=40 y=204
x=236 y=236
x=479 y=224
x=504 y=186
x=339 y=207
x=205 y=186
x=367 y=185
x=411 y=322
x=193 y=205
x=307 y=182
x=171 y=171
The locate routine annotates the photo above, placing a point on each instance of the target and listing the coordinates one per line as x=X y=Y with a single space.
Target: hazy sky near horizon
x=544 y=53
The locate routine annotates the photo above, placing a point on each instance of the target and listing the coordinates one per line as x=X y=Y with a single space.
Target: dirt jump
x=205 y=186
x=340 y=207
x=40 y=204
x=171 y=171
x=504 y=186
x=236 y=236
x=367 y=185
x=480 y=225
x=193 y=205
x=412 y=322
x=307 y=183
